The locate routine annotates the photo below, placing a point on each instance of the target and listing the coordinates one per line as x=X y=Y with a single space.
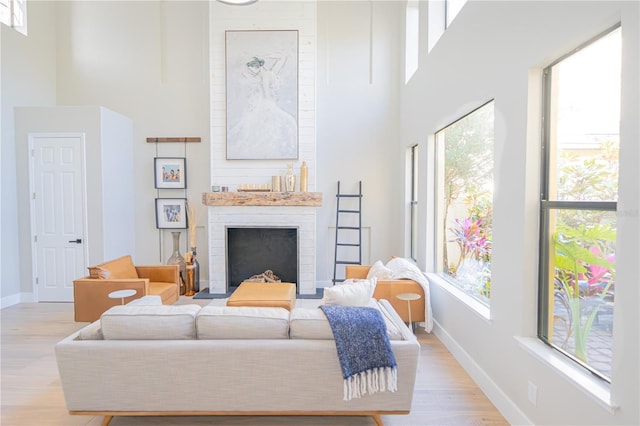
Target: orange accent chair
x=388 y=289
x=91 y=293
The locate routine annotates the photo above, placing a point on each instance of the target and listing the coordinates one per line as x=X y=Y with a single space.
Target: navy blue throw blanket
x=367 y=361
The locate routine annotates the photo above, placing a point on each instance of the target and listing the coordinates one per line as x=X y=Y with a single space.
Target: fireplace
x=252 y=251
x=303 y=219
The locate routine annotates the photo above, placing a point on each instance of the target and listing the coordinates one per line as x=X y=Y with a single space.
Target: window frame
x=478 y=304
x=547 y=205
x=413 y=204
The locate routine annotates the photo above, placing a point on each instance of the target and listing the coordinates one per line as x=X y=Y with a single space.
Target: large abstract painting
x=262 y=95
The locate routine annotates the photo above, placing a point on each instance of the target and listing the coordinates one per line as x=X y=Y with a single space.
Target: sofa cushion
x=146 y=301
x=350 y=293
x=242 y=322
x=136 y=322
x=121 y=267
x=312 y=323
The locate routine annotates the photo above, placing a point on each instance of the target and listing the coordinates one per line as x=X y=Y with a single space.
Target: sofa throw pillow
x=379 y=271
x=350 y=293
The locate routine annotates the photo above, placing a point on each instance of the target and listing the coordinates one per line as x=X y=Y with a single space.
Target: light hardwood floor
x=31 y=394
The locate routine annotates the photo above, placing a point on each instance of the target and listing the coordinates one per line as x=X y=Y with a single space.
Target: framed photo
x=171 y=213
x=262 y=94
x=170 y=173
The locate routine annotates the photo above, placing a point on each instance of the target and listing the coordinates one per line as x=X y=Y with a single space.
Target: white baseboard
x=507 y=408
x=14 y=299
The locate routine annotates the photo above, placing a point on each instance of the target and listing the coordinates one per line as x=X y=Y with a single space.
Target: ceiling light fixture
x=238 y=2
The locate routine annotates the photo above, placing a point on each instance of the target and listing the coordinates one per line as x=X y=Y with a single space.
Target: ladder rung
x=348 y=227
x=348 y=211
x=348 y=244
x=347 y=262
x=349 y=195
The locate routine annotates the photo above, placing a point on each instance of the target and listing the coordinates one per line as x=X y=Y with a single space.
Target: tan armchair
x=389 y=289
x=91 y=293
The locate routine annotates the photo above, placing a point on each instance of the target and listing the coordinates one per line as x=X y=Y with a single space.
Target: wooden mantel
x=301 y=199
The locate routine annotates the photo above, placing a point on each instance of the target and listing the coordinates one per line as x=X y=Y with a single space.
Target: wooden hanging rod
x=154 y=140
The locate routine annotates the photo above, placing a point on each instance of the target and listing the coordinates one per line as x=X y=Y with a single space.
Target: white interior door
x=57 y=214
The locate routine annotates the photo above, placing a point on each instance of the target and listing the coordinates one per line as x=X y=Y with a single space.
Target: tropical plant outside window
x=464 y=157
x=578 y=206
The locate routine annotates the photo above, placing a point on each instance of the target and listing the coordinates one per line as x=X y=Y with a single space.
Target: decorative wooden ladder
x=345 y=234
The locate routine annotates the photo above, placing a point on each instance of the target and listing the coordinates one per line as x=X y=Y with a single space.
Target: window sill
x=482 y=310
x=591 y=385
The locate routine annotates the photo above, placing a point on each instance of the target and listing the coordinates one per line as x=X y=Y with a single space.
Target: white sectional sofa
x=150 y=360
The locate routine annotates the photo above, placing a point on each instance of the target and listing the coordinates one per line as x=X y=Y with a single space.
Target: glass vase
x=196 y=270
x=177 y=259
x=290 y=179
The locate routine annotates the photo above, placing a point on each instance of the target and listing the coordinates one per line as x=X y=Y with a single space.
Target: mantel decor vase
x=196 y=270
x=290 y=179
x=303 y=177
x=177 y=259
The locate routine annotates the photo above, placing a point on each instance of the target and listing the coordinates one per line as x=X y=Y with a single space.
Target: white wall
x=468 y=66
x=27 y=79
x=147 y=60
x=144 y=60
x=118 y=219
x=359 y=76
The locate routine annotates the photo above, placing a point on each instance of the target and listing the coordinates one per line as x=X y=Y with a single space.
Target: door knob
x=77 y=241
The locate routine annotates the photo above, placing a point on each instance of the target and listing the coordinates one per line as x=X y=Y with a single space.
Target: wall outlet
x=532 y=393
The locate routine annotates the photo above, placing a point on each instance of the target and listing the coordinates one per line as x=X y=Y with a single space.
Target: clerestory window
x=13 y=13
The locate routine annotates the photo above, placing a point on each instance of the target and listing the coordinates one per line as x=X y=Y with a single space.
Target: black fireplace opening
x=252 y=251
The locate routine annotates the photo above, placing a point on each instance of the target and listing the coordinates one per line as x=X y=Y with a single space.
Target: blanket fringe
x=375 y=380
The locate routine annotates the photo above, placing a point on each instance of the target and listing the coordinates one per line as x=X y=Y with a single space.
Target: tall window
x=464 y=155
x=578 y=205
x=412 y=39
x=441 y=14
x=414 y=202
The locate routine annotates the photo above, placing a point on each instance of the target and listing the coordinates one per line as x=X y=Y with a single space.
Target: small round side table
x=121 y=294
x=409 y=297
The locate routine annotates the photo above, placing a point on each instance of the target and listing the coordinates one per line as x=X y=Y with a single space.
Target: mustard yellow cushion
x=276 y=295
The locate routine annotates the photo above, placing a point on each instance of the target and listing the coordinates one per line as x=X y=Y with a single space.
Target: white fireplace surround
x=222 y=217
